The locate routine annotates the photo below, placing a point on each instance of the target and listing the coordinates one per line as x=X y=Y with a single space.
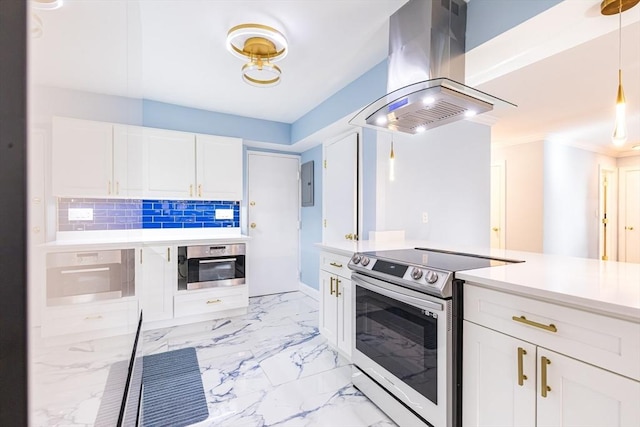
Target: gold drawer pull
x=97 y=317
x=335 y=264
x=521 y=376
x=331 y=291
x=214 y=301
x=338 y=293
x=551 y=327
x=544 y=387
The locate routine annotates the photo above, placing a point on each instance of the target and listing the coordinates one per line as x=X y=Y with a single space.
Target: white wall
x=524 y=195
x=443 y=172
x=571 y=200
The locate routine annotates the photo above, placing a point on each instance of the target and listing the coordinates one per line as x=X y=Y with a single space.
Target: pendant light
x=392 y=166
x=611 y=7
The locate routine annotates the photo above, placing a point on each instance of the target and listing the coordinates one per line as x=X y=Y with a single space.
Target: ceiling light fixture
x=46 y=4
x=612 y=7
x=262 y=46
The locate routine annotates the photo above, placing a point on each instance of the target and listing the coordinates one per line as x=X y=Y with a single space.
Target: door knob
x=629 y=228
x=495 y=229
x=252 y=203
x=253 y=225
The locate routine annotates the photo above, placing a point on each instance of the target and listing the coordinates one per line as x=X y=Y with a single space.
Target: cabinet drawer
x=613 y=344
x=336 y=264
x=210 y=301
x=72 y=319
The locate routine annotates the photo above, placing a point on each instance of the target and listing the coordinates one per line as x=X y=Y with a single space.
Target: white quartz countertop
x=606 y=287
x=129 y=238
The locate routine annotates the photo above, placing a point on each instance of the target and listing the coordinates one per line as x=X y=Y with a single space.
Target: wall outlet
x=425 y=217
x=224 y=214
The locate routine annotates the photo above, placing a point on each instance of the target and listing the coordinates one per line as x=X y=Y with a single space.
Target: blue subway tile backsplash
x=111 y=214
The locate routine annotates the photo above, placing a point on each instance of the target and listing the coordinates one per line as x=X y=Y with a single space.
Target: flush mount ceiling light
x=612 y=7
x=46 y=4
x=262 y=46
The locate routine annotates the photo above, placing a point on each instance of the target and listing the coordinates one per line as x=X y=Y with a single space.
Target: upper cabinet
x=219 y=159
x=115 y=160
x=82 y=158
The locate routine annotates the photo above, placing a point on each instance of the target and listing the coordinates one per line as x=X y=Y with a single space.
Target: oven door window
x=400 y=338
x=211 y=269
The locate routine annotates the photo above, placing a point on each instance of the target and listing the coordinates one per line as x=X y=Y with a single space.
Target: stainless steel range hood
x=426 y=66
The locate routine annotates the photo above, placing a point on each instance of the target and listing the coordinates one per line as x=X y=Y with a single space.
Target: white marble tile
x=268 y=367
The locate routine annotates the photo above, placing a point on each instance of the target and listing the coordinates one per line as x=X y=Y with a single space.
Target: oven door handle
x=211 y=261
x=85 y=270
x=380 y=287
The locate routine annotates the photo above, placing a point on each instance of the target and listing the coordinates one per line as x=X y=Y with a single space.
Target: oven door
x=403 y=343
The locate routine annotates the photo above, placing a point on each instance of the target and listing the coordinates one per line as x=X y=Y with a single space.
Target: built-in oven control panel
x=426 y=279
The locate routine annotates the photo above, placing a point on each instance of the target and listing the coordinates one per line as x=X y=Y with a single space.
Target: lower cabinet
x=214 y=300
x=159 y=271
x=111 y=318
x=526 y=381
x=336 y=306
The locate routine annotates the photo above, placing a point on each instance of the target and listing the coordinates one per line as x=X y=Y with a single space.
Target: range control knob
x=416 y=273
x=431 y=277
x=364 y=261
x=356 y=259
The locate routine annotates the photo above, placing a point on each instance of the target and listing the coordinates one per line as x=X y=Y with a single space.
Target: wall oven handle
x=85 y=270
x=379 y=287
x=211 y=261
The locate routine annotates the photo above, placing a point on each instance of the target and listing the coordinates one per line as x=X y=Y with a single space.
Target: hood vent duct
x=425 y=68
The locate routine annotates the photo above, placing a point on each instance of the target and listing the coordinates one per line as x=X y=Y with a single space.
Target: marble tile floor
x=270 y=367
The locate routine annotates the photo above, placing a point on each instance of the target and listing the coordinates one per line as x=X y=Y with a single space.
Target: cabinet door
x=129 y=166
x=159 y=280
x=82 y=158
x=171 y=163
x=492 y=395
x=583 y=395
x=219 y=167
x=328 y=307
x=345 y=314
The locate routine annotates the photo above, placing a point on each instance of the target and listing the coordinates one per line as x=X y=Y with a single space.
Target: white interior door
x=608 y=217
x=273 y=217
x=629 y=214
x=340 y=189
x=498 y=203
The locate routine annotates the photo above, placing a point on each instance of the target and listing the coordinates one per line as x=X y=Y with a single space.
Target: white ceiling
x=559 y=67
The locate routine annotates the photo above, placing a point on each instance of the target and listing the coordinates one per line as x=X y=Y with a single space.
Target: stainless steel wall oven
x=79 y=277
x=208 y=266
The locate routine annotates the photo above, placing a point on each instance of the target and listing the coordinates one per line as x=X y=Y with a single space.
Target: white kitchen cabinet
x=336 y=302
x=214 y=302
x=82 y=158
x=507 y=337
x=170 y=170
x=99 y=159
x=219 y=167
x=159 y=271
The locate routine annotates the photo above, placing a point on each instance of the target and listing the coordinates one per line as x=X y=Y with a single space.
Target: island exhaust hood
x=425 y=68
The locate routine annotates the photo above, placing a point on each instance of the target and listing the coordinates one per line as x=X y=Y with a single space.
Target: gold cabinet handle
x=97 y=317
x=338 y=293
x=214 y=301
x=335 y=264
x=495 y=229
x=253 y=225
x=168 y=254
x=521 y=376
x=331 y=291
x=629 y=228
x=140 y=256
x=348 y=236
x=109 y=187
x=252 y=203
x=190 y=190
x=551 y=327
x=117 y=187
x=199 y=190
x=544 y=388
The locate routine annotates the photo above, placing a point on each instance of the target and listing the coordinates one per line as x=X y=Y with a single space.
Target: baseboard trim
x=309 y=291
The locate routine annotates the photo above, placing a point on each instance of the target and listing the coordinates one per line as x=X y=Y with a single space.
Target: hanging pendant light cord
x=620 y=43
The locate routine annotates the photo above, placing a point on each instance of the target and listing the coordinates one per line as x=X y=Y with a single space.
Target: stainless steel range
x=408 y=332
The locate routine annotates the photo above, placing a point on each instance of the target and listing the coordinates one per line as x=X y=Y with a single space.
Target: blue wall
x=175 y=117
x=311 y=217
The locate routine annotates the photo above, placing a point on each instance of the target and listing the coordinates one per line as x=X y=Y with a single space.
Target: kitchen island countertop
x=606 y=287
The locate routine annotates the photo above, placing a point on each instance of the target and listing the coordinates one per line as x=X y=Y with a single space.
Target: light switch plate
x=224 y=213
